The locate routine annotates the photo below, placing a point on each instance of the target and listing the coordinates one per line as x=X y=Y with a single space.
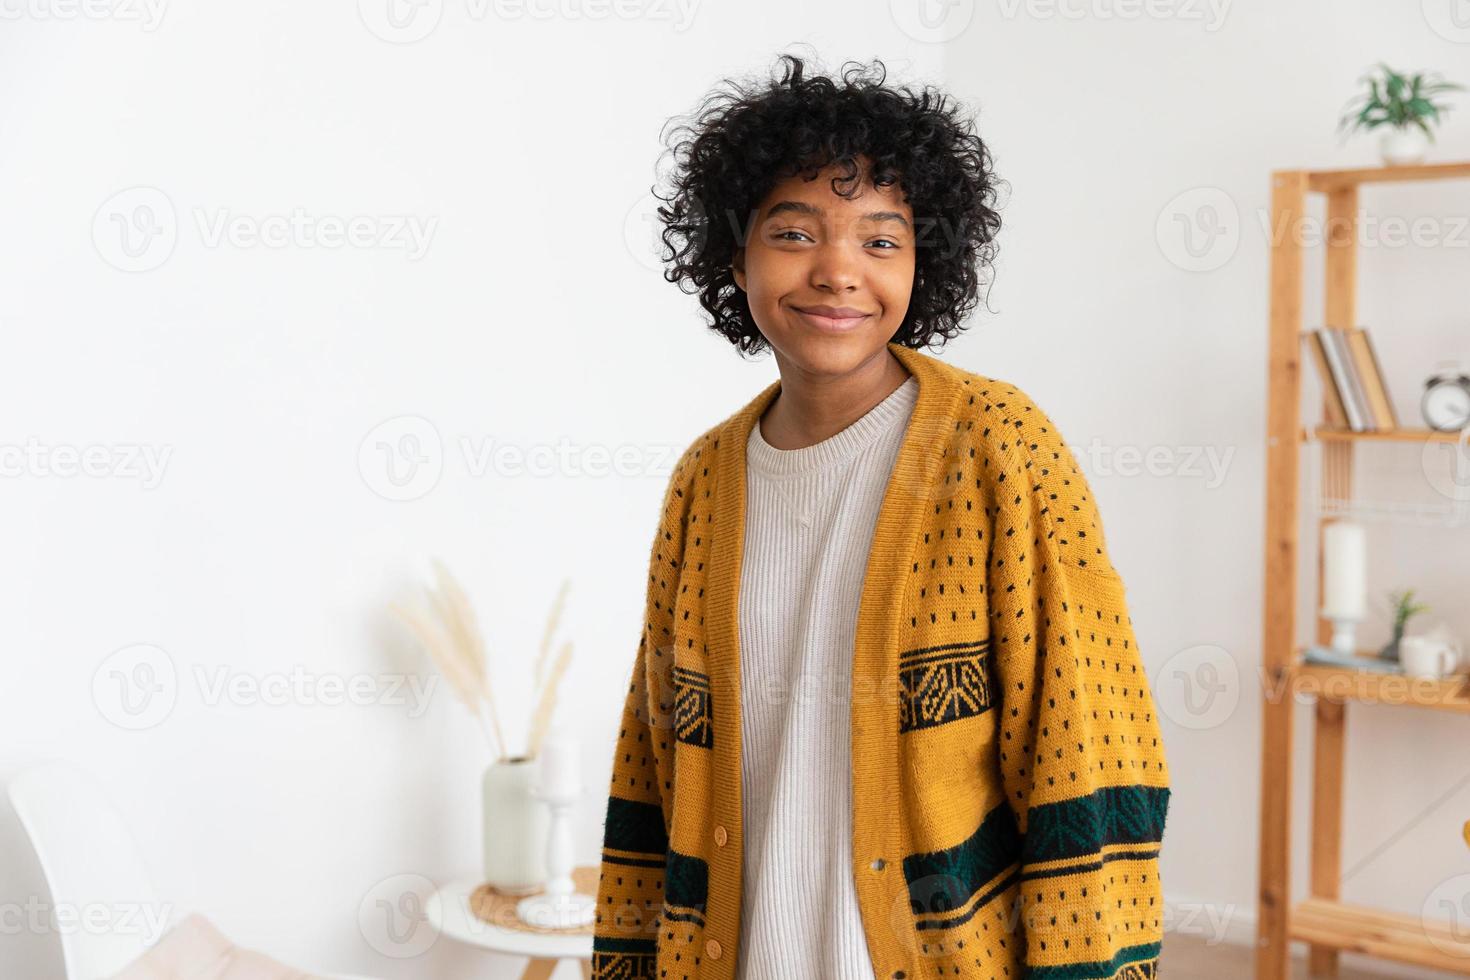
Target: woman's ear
x=737 y=266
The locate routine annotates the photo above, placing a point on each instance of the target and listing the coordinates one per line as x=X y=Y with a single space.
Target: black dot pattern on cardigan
x=633 y=934
x=1032 y=781
x=1019 y=558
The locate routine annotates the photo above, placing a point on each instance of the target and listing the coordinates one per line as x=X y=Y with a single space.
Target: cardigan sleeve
x=630 y=889
x=1081 y=755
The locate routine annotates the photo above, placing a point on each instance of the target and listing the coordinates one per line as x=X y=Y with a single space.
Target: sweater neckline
x=766 y=459
x=910 y=494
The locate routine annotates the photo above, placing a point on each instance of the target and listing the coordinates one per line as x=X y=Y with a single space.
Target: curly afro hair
x=740 y=143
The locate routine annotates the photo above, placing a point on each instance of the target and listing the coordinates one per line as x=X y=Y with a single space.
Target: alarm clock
x=1445 y=403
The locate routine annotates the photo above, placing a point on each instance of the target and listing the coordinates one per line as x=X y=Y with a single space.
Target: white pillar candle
x=561 y=758
x=1344 y=570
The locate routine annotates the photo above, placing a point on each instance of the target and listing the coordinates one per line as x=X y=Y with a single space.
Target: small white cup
x=1424 y=656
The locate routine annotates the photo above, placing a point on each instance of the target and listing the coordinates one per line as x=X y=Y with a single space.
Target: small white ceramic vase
x=1403 y=147
x=515 y=827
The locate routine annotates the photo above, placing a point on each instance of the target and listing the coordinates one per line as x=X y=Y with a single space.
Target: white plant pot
x=1403 y=147
x=515 y=827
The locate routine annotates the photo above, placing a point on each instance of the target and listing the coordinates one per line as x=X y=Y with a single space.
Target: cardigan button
x=879 y=864
x=720 y=835
x=712 y=949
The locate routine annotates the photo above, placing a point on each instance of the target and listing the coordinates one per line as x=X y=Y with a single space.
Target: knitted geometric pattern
x=1010 y=786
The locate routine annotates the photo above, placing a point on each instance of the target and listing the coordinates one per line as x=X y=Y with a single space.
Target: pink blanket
x=195 y=950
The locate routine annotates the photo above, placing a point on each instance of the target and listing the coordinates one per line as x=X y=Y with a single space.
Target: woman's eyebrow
x=801 y=207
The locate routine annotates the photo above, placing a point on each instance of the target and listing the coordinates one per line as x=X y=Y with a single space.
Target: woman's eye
x=781 y=235
x=885 y=241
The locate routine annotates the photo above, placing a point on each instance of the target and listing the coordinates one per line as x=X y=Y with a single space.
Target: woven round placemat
x=491 y=905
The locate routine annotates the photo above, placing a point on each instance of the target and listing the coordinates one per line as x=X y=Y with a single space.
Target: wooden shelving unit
x=1322 y=921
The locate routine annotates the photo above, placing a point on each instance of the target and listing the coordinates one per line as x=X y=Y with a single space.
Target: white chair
x=91 y=861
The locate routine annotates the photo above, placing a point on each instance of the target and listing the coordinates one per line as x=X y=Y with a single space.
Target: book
x=1365 y=361
x=1327 y=655
x=1341 y=367
x=1355 y=380
x=1331 y=398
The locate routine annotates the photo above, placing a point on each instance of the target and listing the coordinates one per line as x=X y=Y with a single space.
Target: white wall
x=522 y=147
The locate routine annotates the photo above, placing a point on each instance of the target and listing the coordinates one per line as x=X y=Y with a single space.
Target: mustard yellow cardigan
x=1009 y=784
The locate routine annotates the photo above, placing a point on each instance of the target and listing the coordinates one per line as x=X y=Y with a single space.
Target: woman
x=887 y=717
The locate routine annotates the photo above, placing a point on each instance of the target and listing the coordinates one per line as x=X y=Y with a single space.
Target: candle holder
x=1344 y=633
x=560 y=906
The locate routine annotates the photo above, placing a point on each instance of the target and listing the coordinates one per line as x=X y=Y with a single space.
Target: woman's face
x=828 y=278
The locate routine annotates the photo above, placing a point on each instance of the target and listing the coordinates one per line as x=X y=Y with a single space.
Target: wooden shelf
x=1395 y=937
x=1323 y=921
x=1367 y=687
x=1326 y=434
x=1325 y=181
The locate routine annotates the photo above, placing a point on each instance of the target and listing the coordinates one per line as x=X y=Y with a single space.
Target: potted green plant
x=1404 y=608
x=1406 y=104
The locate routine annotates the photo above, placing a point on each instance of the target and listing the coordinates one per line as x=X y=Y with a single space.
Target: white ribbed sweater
x=809 y=524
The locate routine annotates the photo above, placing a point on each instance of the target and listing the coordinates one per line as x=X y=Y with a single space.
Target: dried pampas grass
x=450 y=633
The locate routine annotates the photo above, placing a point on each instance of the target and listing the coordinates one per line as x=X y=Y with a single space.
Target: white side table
x=449 y=912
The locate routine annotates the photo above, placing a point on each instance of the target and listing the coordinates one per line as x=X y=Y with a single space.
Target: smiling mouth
x=836 y=321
